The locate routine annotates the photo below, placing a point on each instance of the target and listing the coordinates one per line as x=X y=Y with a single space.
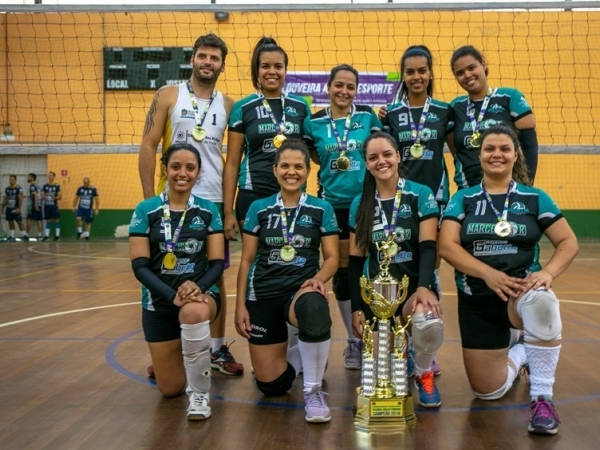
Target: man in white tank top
x=196 y=113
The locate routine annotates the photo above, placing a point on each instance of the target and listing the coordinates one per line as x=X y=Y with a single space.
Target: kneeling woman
x=490 y=234
x=176 y=246
x=392 y=206
x=280 y=282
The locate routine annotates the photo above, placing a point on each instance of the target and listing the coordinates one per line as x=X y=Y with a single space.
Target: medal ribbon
x=172 y=242
x=199 y=120
x=287 y=233
x=387 y=228
x=281 y=125
x=504 y=214
x=471 y=110
x=342 y=143
x=416 y=132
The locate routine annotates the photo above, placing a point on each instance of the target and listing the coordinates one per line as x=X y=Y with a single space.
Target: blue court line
x=112 y=361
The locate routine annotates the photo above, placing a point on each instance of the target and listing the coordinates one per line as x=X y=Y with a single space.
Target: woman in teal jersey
x=419 y=124
x=281 y=281
x=335 y=135
x=489 y=235
x=482 y=107
x=176 y=246
x=404 y=215
x=258 y=125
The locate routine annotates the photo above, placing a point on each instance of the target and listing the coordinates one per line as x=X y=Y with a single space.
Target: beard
x=206 y=78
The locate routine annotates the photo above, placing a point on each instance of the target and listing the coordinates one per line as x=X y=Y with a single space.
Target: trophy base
x=384 y=414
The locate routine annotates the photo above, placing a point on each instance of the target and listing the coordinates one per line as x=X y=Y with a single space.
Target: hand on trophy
x=358 y=323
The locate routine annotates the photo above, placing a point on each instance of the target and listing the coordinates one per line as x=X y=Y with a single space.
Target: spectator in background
x=85 y=205
x=51 y=195
x=11 y=206
x=34 y=206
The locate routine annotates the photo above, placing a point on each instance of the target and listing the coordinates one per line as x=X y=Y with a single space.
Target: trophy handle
x=402 y=290
x=366 y=290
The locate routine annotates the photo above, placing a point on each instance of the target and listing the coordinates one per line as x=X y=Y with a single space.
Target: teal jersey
x=201 y=220
x=340 y=187
x=417 y=203
x=507 y=105
x=250 y=118
x=270 y=275
x=430 y=169
x=531 y=211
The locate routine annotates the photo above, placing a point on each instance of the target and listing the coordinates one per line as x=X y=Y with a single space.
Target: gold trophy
x=384 y=400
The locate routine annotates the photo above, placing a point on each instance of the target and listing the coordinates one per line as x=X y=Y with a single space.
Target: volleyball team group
x=382 y=183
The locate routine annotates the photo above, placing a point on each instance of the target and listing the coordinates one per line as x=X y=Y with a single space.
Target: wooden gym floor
x=73 y=370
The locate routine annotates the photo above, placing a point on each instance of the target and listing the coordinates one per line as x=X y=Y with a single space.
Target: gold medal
x=392 y=249
x=476 y=139
x=343 y=162
x=287 y=253
x=199 y=134
x=170 y=261
x=279 y=140
x=503 y=228
x=416 y=150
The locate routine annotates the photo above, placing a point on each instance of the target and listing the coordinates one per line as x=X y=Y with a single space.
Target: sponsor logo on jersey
x=356 y=126
x=432 y=117
x=400 y=257
x=274 y=258
x=135 y=220
x=291 y=111
x=268 y=146
x=197 y=223
x=183 y=266
x=305 y=220
x=402 y=234
x=496 y=108
x=518 y=208
x=274 y=241
x=404 y=211
x=354 y=165
x=299 y=241
x=187 y=114
x=493 y=247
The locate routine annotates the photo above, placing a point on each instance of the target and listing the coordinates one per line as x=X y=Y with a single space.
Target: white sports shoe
x=199 y=408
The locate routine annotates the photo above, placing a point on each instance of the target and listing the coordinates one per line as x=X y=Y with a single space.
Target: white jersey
x=178 y=129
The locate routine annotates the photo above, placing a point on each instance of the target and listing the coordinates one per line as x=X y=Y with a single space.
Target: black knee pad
x=280 y=385
x=340 y=284
x=314 y=321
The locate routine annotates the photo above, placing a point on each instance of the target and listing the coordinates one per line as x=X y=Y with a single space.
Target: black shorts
x=343 y=217
x=483 y=321
x=243 y=201
x=12 y=216
x=51 y=212
x=163 y=326
x=268 y=319
x=35 y=215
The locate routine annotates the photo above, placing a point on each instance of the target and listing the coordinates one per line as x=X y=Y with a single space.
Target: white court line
x=65 y=255
x=45 y=316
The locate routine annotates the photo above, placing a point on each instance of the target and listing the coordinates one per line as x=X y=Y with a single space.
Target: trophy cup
x=384 y=400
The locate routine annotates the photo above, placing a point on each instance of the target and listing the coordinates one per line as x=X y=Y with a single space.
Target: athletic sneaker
x=56 y=238
x=543 y=419
x=316 y=407
x=429 y=396
x=78 y=235
x=353 y=354
x=223 y=361
x=435 y=368
x=25 y=238
x=198 y=409
x=10 y=239
x=87 y=238
x=46 y=238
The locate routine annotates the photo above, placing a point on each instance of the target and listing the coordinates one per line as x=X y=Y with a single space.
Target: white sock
x=438 y=283
x=294 y=358
x=11 y=233
x=79 y=229
x=195 y=344
x=292 y=335
x=217 y=343
x=345 y=307
x=314 y=361
x=542 y=367
x=517 y=355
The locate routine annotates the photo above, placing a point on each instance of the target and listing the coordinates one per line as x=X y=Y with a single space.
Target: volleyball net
x=76 y=83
